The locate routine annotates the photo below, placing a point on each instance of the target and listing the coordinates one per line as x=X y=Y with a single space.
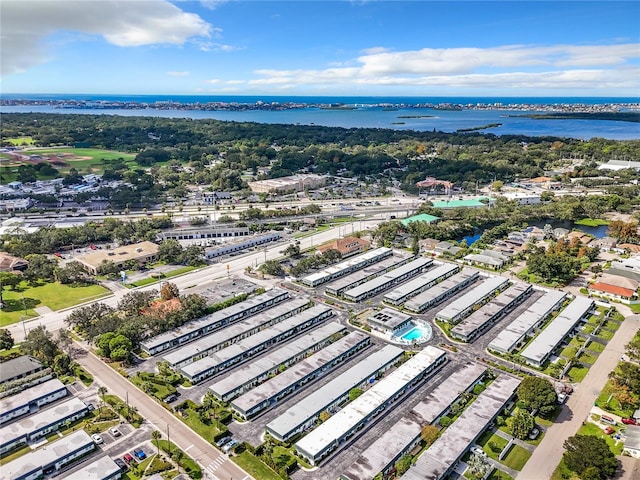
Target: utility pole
x=168 y=441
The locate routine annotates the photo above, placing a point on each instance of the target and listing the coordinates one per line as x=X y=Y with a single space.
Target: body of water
x=368 y=113
x=598 y=232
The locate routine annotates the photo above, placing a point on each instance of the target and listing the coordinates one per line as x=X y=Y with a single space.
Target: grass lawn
x=563 y=473
x=592 y=222
x=577 y=374
x=208 y=432
x=517 y=457
x=610 y=404
x=53 y=295
x=548 y=420
x=592 y=429
x=6 y=458
x=596 y=347
x=187 y=463
x=11 y=351
x=150 y=280
x=605 y=334
x=500 y=475
x=255 y=467
x=587 y=358
x=489 y=438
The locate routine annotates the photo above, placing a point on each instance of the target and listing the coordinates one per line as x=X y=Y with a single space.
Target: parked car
x=608 y=420
x=91 y=407
x=123 y=466
x=139 y=454
x=629 y=421
x=97 y=439
x=478 y=451
x=223 y=441
x=608 y=430
x=561 y=398
x=127 y=458
x=533 y=434
x=229 y=446
x=115 y=432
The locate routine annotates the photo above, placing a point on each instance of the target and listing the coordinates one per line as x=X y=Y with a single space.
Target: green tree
x=132 y=303
x=169 y=251
x=9 y=279
x=6 y=340
x=537 y=394
x=102 y=342
x=40 y=267
x=39 y=344
x=61 y=364
x=169 y=291
x=120 y=348
x=292 y=251
x=584 y=453
x=155 y=436
x=271 y=267
x=520 y=424
x=354 y=393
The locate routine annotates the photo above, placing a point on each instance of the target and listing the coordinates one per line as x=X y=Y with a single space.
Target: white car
x=97 y=439
x=114 y=431
x=533 y=434
x=478 y=451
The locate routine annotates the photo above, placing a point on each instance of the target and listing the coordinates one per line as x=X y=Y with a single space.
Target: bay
x=368 y=112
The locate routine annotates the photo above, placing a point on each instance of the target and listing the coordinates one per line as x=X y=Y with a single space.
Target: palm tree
x=155 y=435
x=176 y=456
x=102 y=390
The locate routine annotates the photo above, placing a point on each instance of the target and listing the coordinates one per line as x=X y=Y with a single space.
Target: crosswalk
x=215 y=465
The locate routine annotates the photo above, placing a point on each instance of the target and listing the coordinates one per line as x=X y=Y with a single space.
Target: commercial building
x=404 y=435
x=440 y=459
x=52 y=457
x=207 y=324
x=523 y=326
x=347 y=422
x=41 y=424
x=286 y=383
x=102 y=468
x=304 y=413
x=255 y=241
x=483 y=318
x=262 y=369
x=292 y=183
x=345 y=268
x=399 y=258
x=433 y=296
x=244 y=349
x=202 y=347
x=425 y=281
x=347 y=246
x=31 y=399
x=141 y=253
x=461 y=307
x=388 y=321
x=387 y=280
x=206 y=233
x=543 y=345
x=18 y=368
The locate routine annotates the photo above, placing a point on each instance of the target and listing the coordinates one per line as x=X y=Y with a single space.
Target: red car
x=629 y=421
x=608 y=430
x=127 y=458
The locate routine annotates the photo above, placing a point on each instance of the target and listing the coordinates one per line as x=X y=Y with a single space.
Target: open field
x=53 y=295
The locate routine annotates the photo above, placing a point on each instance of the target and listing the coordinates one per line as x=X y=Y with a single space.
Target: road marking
x=187 y=449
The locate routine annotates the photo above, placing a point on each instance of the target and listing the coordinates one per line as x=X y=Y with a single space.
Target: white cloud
x=26 y=24
x=178 y=74
x=510 y=66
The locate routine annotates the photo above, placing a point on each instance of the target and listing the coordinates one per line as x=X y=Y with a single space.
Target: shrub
x=445 y=421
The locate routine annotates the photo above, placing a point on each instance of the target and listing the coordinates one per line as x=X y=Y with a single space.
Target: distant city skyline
x=333 y=48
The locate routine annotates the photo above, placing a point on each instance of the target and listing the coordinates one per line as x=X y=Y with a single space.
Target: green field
x=592 y=222
x=20 y=141
x=53 y=295
x=516 y=458
x=255 y=467
x=592 y=429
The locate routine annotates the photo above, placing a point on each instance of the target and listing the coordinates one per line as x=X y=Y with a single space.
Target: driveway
x=548 y=454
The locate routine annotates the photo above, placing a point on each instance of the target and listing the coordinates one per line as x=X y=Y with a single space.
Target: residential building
x=102 y=468
x=627 y=267
x=19 y=367
x=614 y=292
x=31 y=399
x=347 y=246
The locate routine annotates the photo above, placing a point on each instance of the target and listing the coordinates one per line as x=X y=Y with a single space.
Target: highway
x=53 y=321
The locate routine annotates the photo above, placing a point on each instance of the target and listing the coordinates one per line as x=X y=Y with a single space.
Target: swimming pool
x=413 y=334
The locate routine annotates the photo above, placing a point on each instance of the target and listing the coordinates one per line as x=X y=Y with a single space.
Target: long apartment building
x=269 y=393
x=461 y=307
x=53 y=456
x=250 y=242
x=262 y=369
x=102 y=468
x=425 y=281
x=526 y=323
x=486 y=316
x=338 y=287
x=348 y=266
x=31 y=399
x=207 y=324
x=305 y=412
x=41 y=424
x=440 y=292
x=384 y=282
x=441 y=457
x=328 y=437
x=224 y=337
x=247 y=348
x=539 y=350
x=404 y=435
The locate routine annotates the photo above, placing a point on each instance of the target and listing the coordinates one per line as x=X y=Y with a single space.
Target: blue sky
x=390 y=48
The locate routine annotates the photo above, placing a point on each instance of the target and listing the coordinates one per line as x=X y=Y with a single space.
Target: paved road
x=548 y=454
x=55 y=320
x=215 y=465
